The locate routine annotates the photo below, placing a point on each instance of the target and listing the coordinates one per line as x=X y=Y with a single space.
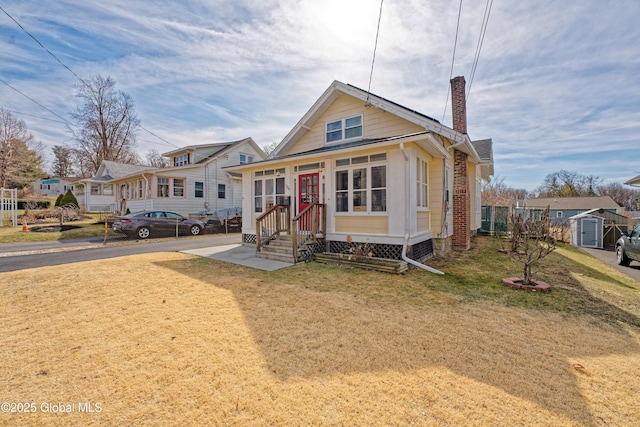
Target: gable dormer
x=181 y=159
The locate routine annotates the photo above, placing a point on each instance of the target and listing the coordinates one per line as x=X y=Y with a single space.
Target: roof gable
x=338 y=89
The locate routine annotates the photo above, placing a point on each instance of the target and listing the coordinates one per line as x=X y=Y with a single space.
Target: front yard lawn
x=174 y=339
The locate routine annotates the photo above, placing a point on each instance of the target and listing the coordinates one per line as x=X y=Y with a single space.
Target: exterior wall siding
x=376 y=123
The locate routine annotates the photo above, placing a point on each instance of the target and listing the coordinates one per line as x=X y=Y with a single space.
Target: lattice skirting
x=249 y=239
x=418 y=252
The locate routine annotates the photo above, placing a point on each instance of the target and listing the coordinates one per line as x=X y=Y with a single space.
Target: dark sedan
x=156 y=223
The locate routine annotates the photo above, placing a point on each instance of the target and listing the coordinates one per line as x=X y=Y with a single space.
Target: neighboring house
x=54 y=185
x=634 y=182
x=562 y=208
x=375 y=173
x=195 y=181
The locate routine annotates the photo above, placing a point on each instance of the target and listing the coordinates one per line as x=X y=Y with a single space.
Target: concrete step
x=276 y=256
x=277 y=249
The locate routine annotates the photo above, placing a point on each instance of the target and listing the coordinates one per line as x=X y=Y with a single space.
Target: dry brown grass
x=170 y=339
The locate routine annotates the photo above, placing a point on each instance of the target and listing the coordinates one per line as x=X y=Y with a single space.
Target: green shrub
x=58 y=200
x=68 y=199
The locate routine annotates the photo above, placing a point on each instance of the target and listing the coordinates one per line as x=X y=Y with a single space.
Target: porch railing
x=308 y=226
x=271 y=223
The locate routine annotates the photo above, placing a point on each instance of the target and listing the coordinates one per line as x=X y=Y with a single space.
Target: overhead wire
x=70 y=70
x=483 y=31
x=36 y=102
x=375 y=47
x=453 y=59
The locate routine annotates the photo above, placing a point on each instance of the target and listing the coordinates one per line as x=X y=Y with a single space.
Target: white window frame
x=343 y=129
x=181 y=160
x=422 y=183
x=165 y=183
x=246 y=158
x=368 y=190
x=175 y=187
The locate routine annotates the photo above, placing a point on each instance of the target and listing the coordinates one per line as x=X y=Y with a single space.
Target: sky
x=556 y=84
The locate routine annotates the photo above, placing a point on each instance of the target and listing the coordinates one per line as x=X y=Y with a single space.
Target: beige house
x=360 y=171
x=194 y=182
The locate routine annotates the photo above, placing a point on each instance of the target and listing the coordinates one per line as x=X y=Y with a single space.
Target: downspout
x=407 y=217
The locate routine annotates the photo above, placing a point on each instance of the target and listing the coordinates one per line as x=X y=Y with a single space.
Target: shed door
x=590 y=233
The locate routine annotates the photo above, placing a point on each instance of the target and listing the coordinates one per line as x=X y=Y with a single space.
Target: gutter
x=407 y=219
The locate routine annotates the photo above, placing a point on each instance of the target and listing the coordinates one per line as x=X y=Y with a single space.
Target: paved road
x=20 y=256
x=608 y=256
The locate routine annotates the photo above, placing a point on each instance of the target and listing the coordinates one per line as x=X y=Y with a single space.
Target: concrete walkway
x=239 y=254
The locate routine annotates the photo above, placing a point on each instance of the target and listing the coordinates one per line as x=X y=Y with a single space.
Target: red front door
x=308 y=190
x=308 y=194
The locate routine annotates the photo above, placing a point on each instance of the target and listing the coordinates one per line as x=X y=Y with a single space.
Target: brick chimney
x=461 y=200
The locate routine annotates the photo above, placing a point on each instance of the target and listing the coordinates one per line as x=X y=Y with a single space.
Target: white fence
x=8 y=207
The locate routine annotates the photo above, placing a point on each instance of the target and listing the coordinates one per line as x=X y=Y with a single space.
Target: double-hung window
x=245 y=158
x=199 y=189
x=422 y=183
x=163 y=187
x=343 y=129
x=178 y=187
x=222 y=191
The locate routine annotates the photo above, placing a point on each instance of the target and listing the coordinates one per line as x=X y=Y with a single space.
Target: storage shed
x=586 y=230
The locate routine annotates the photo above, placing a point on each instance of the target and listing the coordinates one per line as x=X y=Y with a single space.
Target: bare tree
x=497 y=193
x=155 y=159
x=627 y=197
x=531 y=240
x=565 y=183
x=107 y=125
x=270 y=147
x=21 y=158
x=63 y=162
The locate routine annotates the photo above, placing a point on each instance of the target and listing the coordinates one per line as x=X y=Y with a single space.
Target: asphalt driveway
x=608 y=256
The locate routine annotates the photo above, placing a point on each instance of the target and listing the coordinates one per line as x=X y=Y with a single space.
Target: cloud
x=555 y=81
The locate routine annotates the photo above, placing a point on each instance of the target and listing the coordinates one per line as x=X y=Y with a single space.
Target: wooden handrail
x=270 y=224
x=313 y=217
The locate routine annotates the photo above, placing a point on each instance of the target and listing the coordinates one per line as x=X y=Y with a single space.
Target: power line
x=160 y=138
x=76 y=76
x=483 y=31
x=375 y=47
x=453 y=58
x=36 y=102
x=37 y=117
x=41 y=45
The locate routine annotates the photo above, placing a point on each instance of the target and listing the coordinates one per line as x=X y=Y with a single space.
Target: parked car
x=144 y=224
x=628 y=247
x=224 y=219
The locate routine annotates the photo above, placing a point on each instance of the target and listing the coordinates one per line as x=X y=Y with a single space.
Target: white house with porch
x=195 y=182
x=359 y=169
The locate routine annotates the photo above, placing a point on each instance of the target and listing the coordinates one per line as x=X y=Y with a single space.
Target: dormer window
x=181 y=160
x=344 y=129
x=245 y=158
